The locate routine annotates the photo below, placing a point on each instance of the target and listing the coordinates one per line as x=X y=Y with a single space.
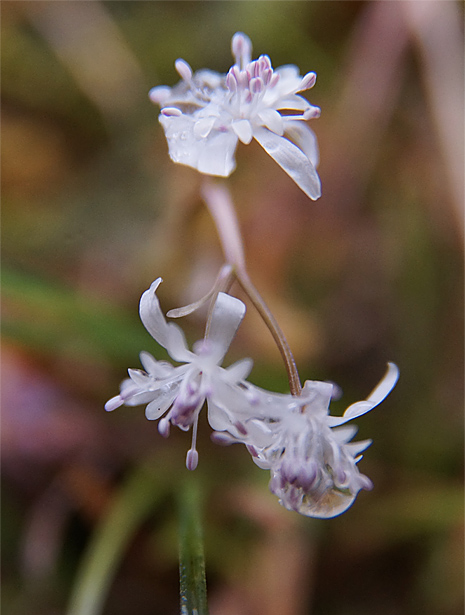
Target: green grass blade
x=193 y=588
x=136 y=499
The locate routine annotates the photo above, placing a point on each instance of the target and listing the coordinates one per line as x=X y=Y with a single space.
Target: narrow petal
x=227 y=315
x=239 y=370
x=376 y=396
x=272 y=120
x=304 y=138
x=292 y=160
x=113 y=403
x=159 y=406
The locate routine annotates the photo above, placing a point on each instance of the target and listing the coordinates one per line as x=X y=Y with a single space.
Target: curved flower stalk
x=180 y=392
x=313 y=464
x=206 y=114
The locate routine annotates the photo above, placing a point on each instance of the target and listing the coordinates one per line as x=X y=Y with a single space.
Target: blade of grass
x=137 y=498
x=192 y=582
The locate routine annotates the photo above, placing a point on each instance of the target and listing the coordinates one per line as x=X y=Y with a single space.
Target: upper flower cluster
x=206 y=114
x=312 y=462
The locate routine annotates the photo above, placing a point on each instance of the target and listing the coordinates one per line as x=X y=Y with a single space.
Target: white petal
x=203 y=127
x=292 y=160
x=212 y=155
x=355 y=448
x=167 y=335
x=159 y=406
x=272 y=120
x=227 y=315
x=158 y=369
x=376 y=396
x=239 y=370
x=243 y=130
x=304 y=138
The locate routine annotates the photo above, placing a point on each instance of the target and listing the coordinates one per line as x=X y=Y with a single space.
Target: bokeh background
x=94 y=210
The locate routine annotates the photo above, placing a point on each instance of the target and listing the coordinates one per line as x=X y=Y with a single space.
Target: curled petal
x=292 y=160
x=167 y=335
x=376 y=396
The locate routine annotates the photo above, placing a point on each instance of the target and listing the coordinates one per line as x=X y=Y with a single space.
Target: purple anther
x=240 y=428
x=113 y=403
x=311 y=113
x=266 y=75
x=265 y=61
x=252 y=450
x=159 y=94
x=164 y=427
x=222 y=438
x=183 y=69
x=171 y=112
x=241 y=47
x=192 y=459
x=231 y=82
x=274 y=80
x=308 y=81
x=256 y=85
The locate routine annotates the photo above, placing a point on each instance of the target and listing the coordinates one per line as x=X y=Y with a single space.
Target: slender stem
x=272 y=324
x=222 y=210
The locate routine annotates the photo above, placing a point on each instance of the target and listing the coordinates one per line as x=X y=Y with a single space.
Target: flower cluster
x=206 y=114
x=312 y=462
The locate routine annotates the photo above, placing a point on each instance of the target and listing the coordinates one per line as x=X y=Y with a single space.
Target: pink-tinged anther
x=192 y=459
x=113 y=403
x=308 y=81
x=164 y=427
x=171 y=112
x=183 y=69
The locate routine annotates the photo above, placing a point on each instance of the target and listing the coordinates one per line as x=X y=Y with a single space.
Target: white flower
x=313 y=464
x=206 y=114
x=183 y=389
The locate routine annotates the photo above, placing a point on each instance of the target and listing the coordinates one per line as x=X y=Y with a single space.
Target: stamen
x=183 y=69
x=113 y=403
x=164 y=427
x=171 y=111
x=192 y=459
x=241 y=47
x=159 y=94
x=308 y=81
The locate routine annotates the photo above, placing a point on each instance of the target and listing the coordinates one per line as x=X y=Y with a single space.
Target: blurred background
x=94 y=211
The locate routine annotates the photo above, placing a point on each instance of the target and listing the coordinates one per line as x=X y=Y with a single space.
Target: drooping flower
x=313 y=464
x=180 y=392
x=206 y=114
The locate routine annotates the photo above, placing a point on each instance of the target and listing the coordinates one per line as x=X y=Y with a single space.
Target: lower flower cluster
x=309 y=453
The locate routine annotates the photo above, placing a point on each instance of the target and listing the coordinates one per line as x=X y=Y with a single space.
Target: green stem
x=193 y=589
x=295 y=385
